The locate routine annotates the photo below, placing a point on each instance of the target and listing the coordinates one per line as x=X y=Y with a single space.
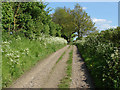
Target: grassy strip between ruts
x=65 y=82
x=62 y=55
x=58 y=60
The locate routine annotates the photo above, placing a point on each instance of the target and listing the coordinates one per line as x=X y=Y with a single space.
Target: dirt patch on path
x=38 y=75
x=80 y=75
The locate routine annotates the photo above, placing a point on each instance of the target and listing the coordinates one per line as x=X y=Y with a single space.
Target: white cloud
x=95 y=20
x=103 y=24
x=98 y=20
x=84 y=8
x=109 y=21
x=106 y=26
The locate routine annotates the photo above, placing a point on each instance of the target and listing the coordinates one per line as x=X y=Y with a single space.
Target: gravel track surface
x=80 y=75
x=58 y=72
x=47 y=74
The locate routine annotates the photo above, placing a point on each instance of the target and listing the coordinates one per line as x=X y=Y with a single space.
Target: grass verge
x=65 y=82
x=21 y=54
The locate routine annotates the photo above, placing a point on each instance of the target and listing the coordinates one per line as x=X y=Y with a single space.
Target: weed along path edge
x=38 y=75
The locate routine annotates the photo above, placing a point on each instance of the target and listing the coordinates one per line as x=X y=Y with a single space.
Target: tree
x=46 y=29
x=27 y=18
x=63 y=17
x=58 y=28
x=7 y=16
x=72 y=21
x=82 y=21
x=53 y=29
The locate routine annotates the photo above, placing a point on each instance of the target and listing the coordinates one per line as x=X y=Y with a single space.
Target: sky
x=103 y=14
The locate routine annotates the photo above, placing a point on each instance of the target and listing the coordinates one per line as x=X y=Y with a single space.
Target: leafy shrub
x=101 y=55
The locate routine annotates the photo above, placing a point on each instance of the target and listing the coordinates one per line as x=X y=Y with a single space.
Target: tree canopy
x=28 y=18
x=71 y=21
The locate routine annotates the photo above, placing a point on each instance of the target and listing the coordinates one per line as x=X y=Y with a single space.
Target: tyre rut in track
x=58 y=72
x=80 y=75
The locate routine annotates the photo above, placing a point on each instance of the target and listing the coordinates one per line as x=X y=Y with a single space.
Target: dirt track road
x=47 y=74
x=80 y=75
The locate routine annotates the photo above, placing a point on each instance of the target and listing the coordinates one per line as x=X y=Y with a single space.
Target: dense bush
x=101 y=54
x=20 y=54
x=28 y=18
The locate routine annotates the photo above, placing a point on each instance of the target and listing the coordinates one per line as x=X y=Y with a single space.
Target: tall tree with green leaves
x=72 y=21
x=53 y=30
x=82 y=21
x=58 y=29
x=63 y=17
x=28 y=18
x=7 y=16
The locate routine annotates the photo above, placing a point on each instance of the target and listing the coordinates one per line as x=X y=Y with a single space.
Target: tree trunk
x=9 y=29
x=81 y=34
x=14 y=23
x=78 y=34
x=16 y=14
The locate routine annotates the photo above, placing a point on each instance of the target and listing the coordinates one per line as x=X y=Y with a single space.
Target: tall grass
x=20 y=54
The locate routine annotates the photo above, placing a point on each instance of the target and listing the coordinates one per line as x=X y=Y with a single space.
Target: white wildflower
x=112 y=55
x=11 y=60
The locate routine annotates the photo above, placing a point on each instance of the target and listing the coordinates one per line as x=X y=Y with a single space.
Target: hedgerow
x=101 y=54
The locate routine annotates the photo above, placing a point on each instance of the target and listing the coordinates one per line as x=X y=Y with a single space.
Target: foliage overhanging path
x=36 y=77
